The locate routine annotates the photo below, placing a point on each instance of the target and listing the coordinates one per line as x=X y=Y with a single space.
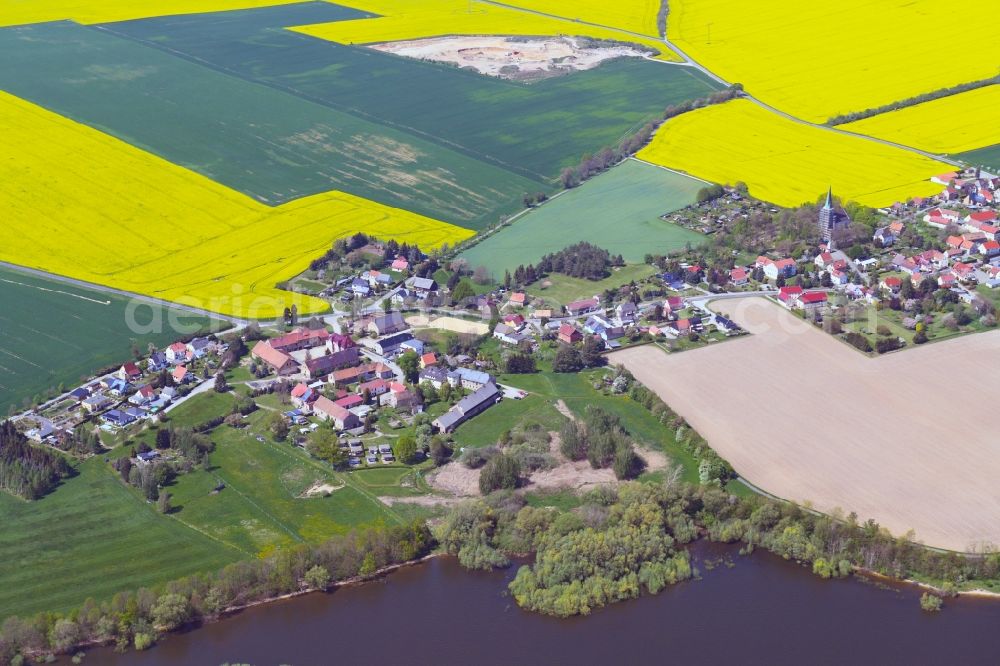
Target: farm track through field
x=688 y=61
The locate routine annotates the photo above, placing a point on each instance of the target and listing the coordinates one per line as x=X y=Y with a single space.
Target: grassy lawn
x=93 y=537
x=201 y=408
x=485 y=429
x=563 y=289
x=618 y=210
x=52 y=333
x=262 y=506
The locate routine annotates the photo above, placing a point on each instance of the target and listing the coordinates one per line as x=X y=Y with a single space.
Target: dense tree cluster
x=603 y=440
x=137 y=618
x=25 y=470
x=502 y=471
x=574 y=359
x=580 y=260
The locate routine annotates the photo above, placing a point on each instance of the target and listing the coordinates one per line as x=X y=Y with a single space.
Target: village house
x=400 y=264
x=300 y=338
x=388 y=346
x=129 y=372
x=96 y=403
x=435 y=376
x=328 y=410
x=428 y=359
x=516 y=321
x=627 y=312
x=673 y=304
x=321 y=366
x=181 y=375
x=507 y=334
x=582 y=307
x=177 y=353
x=157 y=361
x=279 y=362
x=199 y=347
x=350 y=401
x=348 y=376
x=739 y=276
x=774 y=269
x=414 y=345
x=788 y=295
x=398 y=397
x=467 y=378
x=469 y=406
x=518 y=299
x=386 y=324
x=891 y=284
x=811 y=301
x=422 y=287
x=303 y=396
x=360 y=287
x=143 y=396
x=569 y=334
x=375 y=387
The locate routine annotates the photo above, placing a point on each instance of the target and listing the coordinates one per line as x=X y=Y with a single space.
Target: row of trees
x=25 y=470
x=609 y=156
x=137 y=618
x=913 y=101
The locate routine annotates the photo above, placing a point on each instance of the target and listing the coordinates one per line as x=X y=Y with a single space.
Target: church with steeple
x=831 y=218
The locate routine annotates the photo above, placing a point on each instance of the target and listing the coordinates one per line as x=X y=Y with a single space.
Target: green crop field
x=988 y=157
x=534 y=129
x=262 y=141
x=558 y=289
x=52 y=333
x=93 y=536
x=618 y=211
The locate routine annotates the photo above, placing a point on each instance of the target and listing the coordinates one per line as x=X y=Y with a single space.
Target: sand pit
x=519 y=59
x=449 y=324
x=908 y=439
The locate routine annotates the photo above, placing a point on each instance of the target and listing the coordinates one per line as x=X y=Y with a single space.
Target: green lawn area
x=93 y=537
x=618 y=210
x=577 y=391
x=262 y=506
x=563 y=289
x=485 y=429
x=201 y=408
x=52 y=333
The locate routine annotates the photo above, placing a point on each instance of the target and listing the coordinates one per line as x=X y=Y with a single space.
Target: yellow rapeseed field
x=78 y=202
x=20 y=12
x=786 y=162
x=404 y=19
x=951 y=124
x=818 y=59
x=632 y=15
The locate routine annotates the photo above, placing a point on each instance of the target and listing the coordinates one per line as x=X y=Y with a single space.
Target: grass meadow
x=93 y=536
x=558 y=289
x=52 y=333
x=618 y=210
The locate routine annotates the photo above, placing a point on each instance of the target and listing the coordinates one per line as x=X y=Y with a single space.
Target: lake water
x=761 y=610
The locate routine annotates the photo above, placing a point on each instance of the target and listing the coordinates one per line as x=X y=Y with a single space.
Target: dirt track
x=909 y=439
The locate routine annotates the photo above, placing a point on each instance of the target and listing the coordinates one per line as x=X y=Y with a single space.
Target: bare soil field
x=449 y=324
x=518 y=59
x=909 y=439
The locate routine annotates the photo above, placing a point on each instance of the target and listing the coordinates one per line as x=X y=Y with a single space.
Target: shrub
x=859 y=341
x=930 y=603
x=500 y=472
